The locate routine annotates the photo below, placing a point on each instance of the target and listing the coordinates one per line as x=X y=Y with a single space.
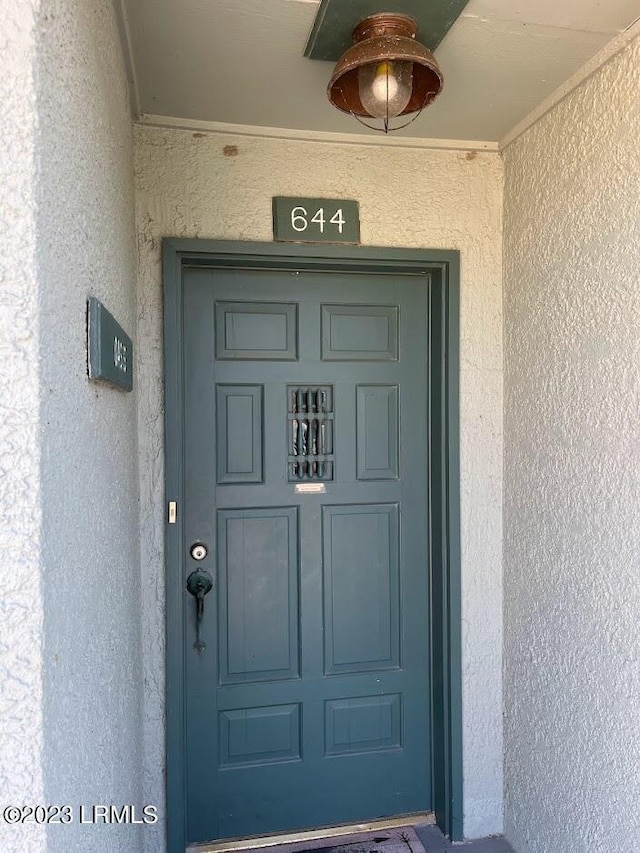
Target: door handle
x=199 y=583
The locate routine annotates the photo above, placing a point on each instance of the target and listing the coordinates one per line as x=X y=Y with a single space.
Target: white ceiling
x=241 y=62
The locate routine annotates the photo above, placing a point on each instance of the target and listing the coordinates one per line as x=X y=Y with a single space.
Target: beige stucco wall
x=189 y=185
x=92 y=682
x=20 y=517
x=572 y=470
x=70 y=671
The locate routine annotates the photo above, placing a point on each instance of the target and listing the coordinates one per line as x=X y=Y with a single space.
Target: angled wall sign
x=110 y=349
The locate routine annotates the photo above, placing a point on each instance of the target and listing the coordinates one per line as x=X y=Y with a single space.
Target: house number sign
x=316 y=220
x=110 y=348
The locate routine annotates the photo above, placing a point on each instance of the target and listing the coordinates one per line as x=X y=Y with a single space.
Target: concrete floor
x=435 y=842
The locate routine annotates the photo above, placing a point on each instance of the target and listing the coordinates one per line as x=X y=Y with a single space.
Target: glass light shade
x=385 y=87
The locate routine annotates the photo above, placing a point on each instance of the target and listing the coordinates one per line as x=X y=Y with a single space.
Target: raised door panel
x=363 y=724
x=256 y=331
x=253 y=736
x=377 y=432
x=360 y=573
x=359 y=332
x=239 y=435
x=258 y=594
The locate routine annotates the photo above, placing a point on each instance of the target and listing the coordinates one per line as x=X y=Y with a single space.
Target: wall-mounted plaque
x=110 y=348
x=316 y=220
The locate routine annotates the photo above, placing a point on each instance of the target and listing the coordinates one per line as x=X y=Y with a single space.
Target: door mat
x=400 y=839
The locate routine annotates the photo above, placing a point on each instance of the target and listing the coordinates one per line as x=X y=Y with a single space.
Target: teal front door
x=305 y=501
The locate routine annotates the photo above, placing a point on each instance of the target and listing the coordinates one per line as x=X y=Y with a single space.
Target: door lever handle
x=199 y=583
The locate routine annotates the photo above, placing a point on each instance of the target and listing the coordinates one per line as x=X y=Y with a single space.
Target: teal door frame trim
x=443 y=270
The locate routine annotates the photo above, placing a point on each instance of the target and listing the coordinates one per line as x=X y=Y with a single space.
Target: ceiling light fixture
x=386 y=74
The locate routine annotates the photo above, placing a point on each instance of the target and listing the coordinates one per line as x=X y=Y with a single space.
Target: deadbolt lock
x=198 y=551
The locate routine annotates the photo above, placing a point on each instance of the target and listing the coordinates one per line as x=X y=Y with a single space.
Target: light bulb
x=385 y=87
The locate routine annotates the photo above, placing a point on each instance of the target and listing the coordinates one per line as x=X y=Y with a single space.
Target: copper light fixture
x=385 y=74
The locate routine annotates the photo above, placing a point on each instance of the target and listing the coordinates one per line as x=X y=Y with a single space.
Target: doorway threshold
x=235 y=845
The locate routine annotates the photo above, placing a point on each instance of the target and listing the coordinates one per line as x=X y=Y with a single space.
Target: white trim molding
x=149 y=120
x=124 y=30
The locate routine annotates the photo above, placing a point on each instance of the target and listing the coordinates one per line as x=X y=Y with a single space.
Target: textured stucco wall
x=188 y=185
x=70 y=676
x=20 y=590
x=86 y=246
x=572 y=471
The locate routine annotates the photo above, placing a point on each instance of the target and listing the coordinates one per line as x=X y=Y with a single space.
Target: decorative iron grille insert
x=310 y=433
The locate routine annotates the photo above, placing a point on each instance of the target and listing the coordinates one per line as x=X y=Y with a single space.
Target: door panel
x=309 y=704
x=256 y=331
x=360 y=579
x=377 y=432
x=239 y=433
x=258 y=605
x=359 y=333
x=260 y=735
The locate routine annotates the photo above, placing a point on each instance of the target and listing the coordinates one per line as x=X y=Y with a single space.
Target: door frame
x=443 y=269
